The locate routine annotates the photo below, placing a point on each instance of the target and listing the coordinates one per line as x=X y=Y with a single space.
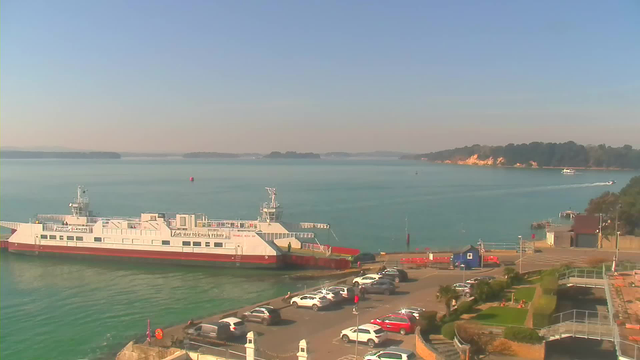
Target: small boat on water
x=611 y=182
x=568 y=172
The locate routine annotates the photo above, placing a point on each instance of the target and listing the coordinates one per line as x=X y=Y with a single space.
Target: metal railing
x=582 y=274
x=624 y=349
x=580 y=323
x=215 y=351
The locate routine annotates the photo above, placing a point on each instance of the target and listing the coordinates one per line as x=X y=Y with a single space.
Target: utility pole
x=520 y=238
x=600 y=231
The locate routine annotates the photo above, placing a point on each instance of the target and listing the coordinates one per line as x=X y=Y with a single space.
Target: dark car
x=363 y=258
x=380 y=287
x=267 y=315
x=211 y=331
x=395 y=275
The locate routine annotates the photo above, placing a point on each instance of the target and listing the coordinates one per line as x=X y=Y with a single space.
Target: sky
x=260 y=76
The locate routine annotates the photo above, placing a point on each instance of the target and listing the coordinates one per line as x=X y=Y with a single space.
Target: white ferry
x=568 y=172
x=182 y=238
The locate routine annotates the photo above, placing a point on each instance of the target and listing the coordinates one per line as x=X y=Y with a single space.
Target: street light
x=520 y=238
x=617 y=233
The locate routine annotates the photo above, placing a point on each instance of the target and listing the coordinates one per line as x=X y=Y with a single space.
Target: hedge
x=449 y=330
x=428 y=322
x=522 y=335
x=464 y=307
x=549 y=284
x=543 y=307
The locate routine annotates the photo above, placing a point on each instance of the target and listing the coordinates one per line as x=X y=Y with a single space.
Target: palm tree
x=447 y=294
x=508 y=272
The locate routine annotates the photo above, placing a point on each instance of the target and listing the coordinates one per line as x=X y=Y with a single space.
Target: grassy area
x=525 y=293
x=506 y=316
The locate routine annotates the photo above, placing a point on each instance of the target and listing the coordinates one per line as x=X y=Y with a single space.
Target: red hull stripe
x=169 y=255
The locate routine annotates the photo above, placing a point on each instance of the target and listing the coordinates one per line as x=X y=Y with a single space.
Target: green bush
x=449 y=330
x=497 y=288
x=428 y=322
x=549 y=284
x=522 y=335
x=464 y=307
x=543 y=307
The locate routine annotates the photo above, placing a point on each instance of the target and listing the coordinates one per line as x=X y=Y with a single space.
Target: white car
x=366 y=279
x=347 y=292
x=310 y=300
x=394 y=353
x=473 y=281
x=238 y=327
x=329 y=294
x=369 y=333
x=461 y=286
x=415 y=311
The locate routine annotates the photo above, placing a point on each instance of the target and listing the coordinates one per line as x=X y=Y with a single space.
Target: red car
x=397 y=322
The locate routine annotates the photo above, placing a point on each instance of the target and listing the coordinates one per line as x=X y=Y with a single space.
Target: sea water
x=54 y=308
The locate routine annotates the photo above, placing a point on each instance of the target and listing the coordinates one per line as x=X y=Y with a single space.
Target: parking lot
x=321 y=329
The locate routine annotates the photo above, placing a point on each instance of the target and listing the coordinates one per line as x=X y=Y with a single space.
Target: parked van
x=216 y=331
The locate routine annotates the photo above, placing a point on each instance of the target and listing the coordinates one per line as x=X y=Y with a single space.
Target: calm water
x=58 y=309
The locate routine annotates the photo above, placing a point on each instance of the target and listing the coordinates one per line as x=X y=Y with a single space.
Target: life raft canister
x=159 y=334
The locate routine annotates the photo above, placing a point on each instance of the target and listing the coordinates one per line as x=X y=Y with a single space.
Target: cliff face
x=474 y=160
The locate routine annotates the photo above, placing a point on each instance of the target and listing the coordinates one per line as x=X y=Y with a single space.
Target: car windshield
x=323 y=298
x=412 y=319
x=239 y=323
x=378 y=331
x=411 y=356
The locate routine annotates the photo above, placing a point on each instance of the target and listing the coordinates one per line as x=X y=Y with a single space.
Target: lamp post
x=520 y=238
x=357 y=333
x=481 y=244
x=617 y=234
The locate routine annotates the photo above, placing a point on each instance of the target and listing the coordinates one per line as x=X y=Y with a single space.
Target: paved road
x=322 y=329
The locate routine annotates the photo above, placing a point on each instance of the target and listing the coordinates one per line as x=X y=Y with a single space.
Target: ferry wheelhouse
x=192 y=239
x=568 y=172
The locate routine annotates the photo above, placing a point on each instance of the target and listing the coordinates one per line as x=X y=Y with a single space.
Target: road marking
x=426 y=276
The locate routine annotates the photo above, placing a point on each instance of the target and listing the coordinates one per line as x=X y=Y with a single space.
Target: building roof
x=586 y=224
x=467 y=248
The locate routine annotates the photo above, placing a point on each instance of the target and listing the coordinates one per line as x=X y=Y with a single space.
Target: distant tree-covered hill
x=291 y=155
x=9 y=154
x=538 y=154
x=210 y=155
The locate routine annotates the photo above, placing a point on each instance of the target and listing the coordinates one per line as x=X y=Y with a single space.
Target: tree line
x=625 y=203
x=568 y=154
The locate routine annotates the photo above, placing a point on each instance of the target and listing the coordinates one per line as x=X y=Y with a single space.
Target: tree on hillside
x=628 y=201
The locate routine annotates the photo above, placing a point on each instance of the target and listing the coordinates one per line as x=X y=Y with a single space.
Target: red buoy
x=191 y=179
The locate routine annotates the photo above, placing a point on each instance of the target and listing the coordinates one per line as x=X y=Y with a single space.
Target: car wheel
x=387 y=292
x=397 y=279
x=315 y=307
x=403 y=332
x=295 y=304
x=356 y=284
x=265 y=322
x=345 y=338
x=371 y=343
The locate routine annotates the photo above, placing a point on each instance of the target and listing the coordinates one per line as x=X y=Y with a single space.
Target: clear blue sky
x=317 y=76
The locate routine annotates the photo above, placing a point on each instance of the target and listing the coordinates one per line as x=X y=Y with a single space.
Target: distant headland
x=538 y=155
x=13 y=154
x=291 y=155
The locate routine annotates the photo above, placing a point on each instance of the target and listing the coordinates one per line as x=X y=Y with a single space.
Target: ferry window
x=217 y=244
x=97 y=239
x=197 y=243
x=153 y=218
x=207 y=244
x=69 y=237
x=166 y=242
x=79 y=238
x=183 y=221
x=43 y=236
x=126 y=240
x=106 y=239
x=186 y=243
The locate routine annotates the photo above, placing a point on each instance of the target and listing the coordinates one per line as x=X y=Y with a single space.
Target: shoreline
x=530 y=167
